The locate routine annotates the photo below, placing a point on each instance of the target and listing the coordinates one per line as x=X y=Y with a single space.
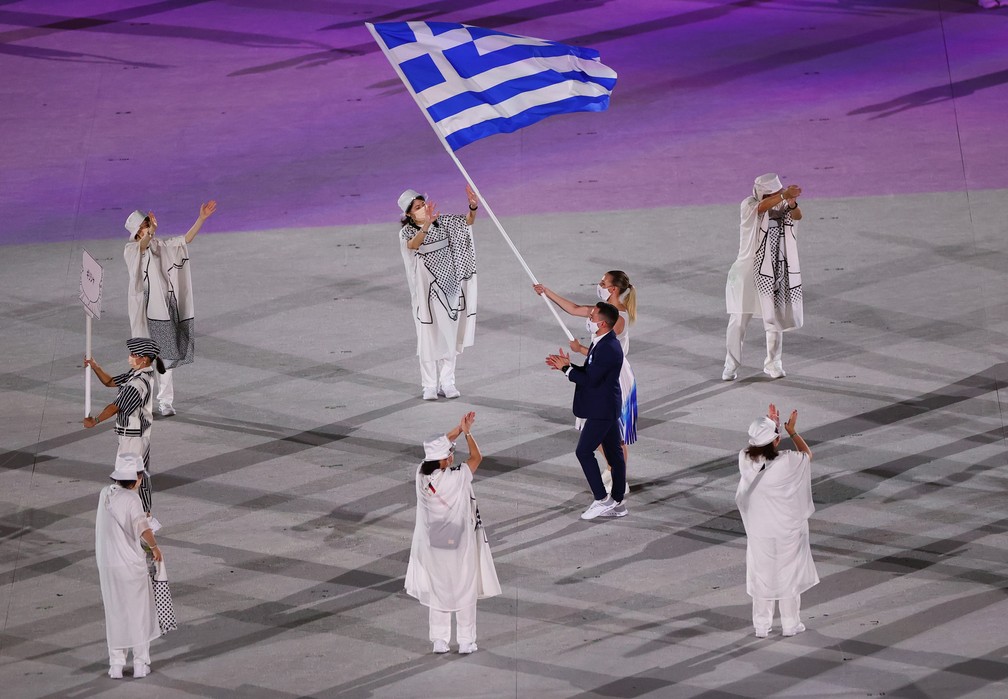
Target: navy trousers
x=606 y=433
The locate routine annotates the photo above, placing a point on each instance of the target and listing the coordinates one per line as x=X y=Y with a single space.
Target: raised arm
x=799 y=443
x=473 y=205
x=567 y=305
x=791 y=192
x=205 y=212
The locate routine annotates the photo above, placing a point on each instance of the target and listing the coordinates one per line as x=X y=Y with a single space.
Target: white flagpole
x=87 y=369
x=493 y=217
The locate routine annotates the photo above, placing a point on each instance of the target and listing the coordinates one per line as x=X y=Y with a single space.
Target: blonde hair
x=627 y=292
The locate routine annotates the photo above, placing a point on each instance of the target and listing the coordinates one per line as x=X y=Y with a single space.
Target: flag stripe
x=490 y=127
x=517 y=104
x=498 y=94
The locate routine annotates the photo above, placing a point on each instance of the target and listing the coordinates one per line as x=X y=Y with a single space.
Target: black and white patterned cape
x=777 y=274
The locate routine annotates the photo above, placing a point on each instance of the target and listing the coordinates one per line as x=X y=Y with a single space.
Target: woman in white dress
x=774 y=497
x=440 y=261
x=614 y=288
x=450 y=565
x=160 y=299
x=127 y=592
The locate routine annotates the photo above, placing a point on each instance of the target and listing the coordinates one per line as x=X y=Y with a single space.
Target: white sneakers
x=605 y=508
x=446 y=391
x=442 y=647
x=775 y=372
x=166 y=409
x=140 y=670
x=728 y=374
x=795 y=631
x=115 y=672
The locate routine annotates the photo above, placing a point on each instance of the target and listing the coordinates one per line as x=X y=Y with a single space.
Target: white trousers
x=735 y=336
x=166 y=387
x=438 y=372
x=117 y=656
x=465 y=625
x=763 y=613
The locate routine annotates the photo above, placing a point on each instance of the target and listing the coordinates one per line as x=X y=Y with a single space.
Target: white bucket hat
x=437 y=448
x=127 y=467
x=407 y=197
x=762 y=431
x=766 y=184
x=134 y=222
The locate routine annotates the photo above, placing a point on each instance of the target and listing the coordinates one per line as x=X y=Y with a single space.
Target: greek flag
x=475 y=82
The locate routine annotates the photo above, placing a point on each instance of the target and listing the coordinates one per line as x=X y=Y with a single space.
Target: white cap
x=437 y=448
x=127 y=466
x=762 y=431
x=766 y=184
x=134 y=222
x=406 y=198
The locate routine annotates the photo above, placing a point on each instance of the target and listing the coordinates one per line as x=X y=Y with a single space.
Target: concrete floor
x=284 y=482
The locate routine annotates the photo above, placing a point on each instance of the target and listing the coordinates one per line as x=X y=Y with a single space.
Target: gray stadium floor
x=285 y=480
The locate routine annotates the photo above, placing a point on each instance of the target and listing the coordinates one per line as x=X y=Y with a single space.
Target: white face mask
x=590 y=326
x=603 y=292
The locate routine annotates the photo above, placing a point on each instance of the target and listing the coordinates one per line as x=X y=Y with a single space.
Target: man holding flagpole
x=440 y=263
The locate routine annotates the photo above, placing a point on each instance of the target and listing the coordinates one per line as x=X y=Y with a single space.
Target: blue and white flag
x=476 y=82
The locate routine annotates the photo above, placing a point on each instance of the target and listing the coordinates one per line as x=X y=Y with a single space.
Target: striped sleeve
x=128 y=401
x=120 y=379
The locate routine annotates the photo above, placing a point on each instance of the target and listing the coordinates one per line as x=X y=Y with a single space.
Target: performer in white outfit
x=614 y=288
x=450 y=565
x=440 y=261
x=133 y=408
x=765 y=280
x=774 y=496
x=160 y=293
x=126 y=589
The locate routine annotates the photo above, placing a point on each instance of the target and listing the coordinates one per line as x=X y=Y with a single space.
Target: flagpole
x=465 y=174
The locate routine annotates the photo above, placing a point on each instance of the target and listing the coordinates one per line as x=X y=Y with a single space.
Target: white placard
x=91 y=285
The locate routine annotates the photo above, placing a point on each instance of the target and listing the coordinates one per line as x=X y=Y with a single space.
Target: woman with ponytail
x=133 y=409
x=614 y=288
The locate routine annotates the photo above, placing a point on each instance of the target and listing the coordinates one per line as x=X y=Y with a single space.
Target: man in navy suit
x=597 y=399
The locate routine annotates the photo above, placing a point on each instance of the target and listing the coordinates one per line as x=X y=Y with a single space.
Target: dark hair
x=429 y=467
x=608 y=313
x=125 y=484
x=767 y=451
x=159 y=365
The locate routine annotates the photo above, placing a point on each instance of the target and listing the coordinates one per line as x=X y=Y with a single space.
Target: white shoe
x=166 y=409
x=451 y=391
x=796 y=630
x=762 y=633
x=441 y=646
x=140 y=670
x=775 y=373
x=619 y=511
x=430 y=394
x=467 y=648
x=598 y=507
x=728 y=374
x=115 y=672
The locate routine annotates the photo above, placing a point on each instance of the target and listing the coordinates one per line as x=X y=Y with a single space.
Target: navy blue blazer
x=596 y=384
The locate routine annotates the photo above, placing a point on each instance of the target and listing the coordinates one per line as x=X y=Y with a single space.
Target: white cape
x=450 y=565
x=775 y=504
x=127 y=591
x=160 y=297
